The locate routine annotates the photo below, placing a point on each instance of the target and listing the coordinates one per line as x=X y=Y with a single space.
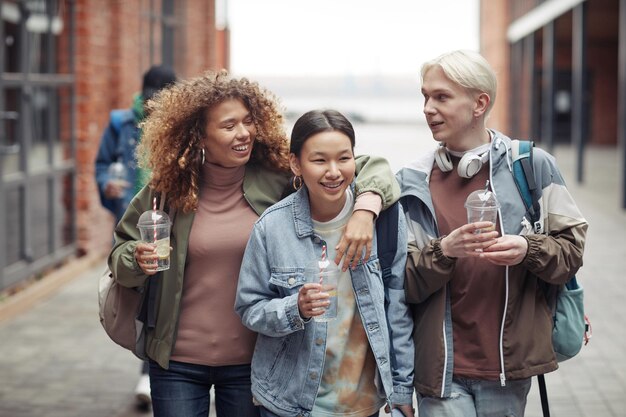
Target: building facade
x=64 y=64
x=562 y=71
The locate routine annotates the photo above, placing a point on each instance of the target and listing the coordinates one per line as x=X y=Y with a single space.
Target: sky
x=344 y=37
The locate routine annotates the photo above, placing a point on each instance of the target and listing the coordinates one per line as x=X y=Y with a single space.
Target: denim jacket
x=289 y=355
x=118 y=144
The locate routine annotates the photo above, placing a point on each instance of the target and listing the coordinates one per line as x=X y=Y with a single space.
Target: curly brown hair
x=173 y=133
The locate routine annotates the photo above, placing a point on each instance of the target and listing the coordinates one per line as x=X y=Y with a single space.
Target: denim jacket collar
x=302 y=211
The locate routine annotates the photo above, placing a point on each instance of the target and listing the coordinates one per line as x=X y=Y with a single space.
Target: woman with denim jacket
x=363 y=359
x=217 y=149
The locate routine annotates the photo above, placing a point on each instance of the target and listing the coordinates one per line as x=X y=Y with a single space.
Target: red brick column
x=494 y=21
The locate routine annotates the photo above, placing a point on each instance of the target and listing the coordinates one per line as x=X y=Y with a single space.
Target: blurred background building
x=562 y=71
x=64 y=64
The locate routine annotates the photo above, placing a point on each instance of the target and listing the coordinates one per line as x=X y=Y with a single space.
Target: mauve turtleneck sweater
x=209 y=330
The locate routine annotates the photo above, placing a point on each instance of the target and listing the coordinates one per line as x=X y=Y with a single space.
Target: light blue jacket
x=289 y=355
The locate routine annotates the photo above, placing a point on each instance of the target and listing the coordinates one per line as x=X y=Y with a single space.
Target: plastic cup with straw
x=481 y=206
x=328 y=276
x=154 y=227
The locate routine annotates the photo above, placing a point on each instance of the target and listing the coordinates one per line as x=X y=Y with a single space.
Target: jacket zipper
x=506 y=302
x=445 y=359
x=506 y=293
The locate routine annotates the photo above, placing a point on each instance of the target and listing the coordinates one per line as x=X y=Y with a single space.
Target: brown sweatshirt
x=476 y=287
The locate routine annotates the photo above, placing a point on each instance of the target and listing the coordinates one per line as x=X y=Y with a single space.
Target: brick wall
x=199 y=37
x=494 y=47
x=112 y=52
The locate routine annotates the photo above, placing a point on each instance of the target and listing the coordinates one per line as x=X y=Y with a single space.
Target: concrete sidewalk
x=56 y=361
x=593 y=383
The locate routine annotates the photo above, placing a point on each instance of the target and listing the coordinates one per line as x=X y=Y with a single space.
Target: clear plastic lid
x=153 y=218
x=117 y=171
x=482 y=199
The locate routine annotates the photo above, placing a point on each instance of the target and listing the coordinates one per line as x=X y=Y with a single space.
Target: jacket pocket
x=287 y=280
x=269 y=358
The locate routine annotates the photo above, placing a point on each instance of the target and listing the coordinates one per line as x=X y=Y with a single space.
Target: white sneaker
x=142 y=391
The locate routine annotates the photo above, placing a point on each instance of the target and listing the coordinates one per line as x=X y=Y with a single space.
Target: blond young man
x=482 y=324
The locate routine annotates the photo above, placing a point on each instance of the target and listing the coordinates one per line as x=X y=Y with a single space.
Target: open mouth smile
x=241 y=148
x=332 y=185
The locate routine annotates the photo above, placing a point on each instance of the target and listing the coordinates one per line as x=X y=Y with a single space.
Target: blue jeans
x=267 y=413
x=478 y=398
x=183 y=390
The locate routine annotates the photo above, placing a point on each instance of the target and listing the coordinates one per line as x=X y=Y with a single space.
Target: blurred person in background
x=117 y=174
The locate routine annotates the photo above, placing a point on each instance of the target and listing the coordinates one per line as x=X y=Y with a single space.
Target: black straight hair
x=316 y=121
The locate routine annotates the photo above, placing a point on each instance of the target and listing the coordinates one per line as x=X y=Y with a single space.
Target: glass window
x=42 y=22
x=10 y=11
x=62 y=128
x=13 y=221
x=10 y=143
x=64 y=211
x=39 y=127
x=39 y=232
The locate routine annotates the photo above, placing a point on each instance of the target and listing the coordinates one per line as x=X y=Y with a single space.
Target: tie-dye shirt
x=347 y=387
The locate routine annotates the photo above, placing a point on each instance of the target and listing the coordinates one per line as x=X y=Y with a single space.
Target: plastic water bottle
x=117 y=171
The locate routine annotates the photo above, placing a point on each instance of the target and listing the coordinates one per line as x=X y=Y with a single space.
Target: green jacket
x=262 y=188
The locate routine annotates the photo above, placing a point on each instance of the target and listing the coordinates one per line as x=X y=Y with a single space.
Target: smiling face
x=454 y=114
x=230 y=134
x=326 y=164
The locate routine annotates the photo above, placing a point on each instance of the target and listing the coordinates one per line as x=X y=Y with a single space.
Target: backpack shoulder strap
x=387 y=237
x=523 y=173
x=119 y=117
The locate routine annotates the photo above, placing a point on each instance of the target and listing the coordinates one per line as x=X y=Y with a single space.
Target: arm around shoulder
x=374 y=174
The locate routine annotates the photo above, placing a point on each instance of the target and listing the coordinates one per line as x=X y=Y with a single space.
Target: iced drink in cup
x=154 y=227
x=328 y=277
x=482 y=206
x=118 y=173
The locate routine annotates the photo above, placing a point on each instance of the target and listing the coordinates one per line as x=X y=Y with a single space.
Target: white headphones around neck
x=469 y=165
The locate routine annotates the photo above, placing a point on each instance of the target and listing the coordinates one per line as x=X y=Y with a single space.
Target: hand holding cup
x=312 y=301
x=154 y=227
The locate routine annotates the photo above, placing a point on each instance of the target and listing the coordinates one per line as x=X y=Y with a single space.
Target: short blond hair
x=468 y=69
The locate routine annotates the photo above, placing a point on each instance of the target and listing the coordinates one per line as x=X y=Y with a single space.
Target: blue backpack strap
x=119 y=117
x=387 y=237
x=524 y=176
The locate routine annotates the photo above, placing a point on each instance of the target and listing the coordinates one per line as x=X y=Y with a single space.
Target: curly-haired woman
x=218 y=151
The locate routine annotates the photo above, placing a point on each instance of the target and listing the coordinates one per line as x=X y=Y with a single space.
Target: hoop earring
x=202 y=157
x=297 y=182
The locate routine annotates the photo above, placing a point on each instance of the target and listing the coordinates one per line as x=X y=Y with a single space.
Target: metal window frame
x=621 y=134
x=26 y=81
